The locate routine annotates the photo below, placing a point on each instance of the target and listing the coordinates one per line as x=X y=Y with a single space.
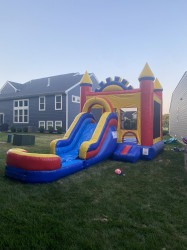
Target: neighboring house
x=51 y=101
x=178 y=110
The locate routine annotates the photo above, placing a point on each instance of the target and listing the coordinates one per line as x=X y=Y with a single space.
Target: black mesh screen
x=156 y=121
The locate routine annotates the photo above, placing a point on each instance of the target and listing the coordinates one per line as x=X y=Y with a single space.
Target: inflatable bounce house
x=128 y=128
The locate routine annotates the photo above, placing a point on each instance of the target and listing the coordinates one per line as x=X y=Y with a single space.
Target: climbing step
x=125 y=150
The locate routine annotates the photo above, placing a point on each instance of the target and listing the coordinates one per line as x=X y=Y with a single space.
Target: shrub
x=19 y=130
x=41 y=129
x=50 y=129
x=59 y=130
x=13 y=129
x=25 y=129
x=4 y=127
x=165 y=132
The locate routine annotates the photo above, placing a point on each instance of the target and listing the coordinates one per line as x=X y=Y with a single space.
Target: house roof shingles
x=16 y=85
x=47 y=85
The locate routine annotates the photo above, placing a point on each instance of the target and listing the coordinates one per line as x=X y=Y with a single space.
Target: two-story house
x=50 y=101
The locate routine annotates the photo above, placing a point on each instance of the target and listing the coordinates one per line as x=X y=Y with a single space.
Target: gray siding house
x=51 y=101
x=178 y=110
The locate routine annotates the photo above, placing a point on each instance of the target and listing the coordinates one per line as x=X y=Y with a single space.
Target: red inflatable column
x=85 y=88
x=147 y=87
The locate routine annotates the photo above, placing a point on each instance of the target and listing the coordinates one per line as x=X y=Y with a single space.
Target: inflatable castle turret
x=158 y=91
x=85 y=88
x=151 y=90
x=146 y=79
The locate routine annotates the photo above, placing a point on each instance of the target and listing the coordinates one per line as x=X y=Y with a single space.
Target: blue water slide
x=107 y=148
x=83 y=130
x=68 y=149
x=104 y=123
x=84 y=118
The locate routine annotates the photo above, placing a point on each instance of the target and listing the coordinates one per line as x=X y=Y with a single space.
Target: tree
x=165 y=121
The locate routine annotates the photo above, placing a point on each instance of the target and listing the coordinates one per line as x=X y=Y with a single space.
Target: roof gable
x=10 y=87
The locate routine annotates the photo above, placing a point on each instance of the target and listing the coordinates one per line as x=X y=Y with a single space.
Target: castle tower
x=146 y=80
x=158 y=90
x=85 y=88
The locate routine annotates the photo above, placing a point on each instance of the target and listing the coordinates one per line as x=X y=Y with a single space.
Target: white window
x=58 y=102
x=49 y=124
x=58 y=124
x=1 y=118
x=21 y=111
x=42 y=103
x=75 y=99
x=41 y=124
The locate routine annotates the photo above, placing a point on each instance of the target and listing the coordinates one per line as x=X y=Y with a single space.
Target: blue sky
x=41 y=38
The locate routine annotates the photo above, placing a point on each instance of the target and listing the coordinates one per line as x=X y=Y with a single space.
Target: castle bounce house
x=116 y=122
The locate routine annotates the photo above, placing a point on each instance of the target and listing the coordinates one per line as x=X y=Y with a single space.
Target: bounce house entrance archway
x=130 y=136
x=107 y=107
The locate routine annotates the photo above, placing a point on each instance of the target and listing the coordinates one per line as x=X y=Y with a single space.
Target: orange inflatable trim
x=20 y=158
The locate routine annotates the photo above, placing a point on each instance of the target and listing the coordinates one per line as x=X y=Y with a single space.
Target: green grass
x=96 y=209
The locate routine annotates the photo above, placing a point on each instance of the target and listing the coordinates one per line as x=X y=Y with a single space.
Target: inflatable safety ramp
x=127 y=152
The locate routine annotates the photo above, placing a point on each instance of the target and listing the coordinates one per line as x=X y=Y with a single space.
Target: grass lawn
x=96 y=209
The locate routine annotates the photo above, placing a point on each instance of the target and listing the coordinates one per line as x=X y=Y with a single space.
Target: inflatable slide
x=84 y=144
